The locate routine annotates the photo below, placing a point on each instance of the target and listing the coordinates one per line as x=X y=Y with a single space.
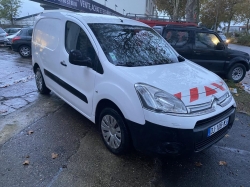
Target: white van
x=123 y=76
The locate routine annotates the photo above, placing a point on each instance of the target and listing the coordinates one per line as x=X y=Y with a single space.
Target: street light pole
x=115 y=7
x=105 y=2
x=123 y=11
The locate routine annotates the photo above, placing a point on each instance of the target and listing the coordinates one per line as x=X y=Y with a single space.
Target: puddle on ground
x=246 y=87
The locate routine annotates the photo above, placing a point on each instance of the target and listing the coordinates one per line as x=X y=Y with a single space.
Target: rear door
x=180 y=40
x=25 y=36
x=206 y=54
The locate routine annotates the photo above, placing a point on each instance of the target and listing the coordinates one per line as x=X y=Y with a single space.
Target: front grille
x=199 y=146
x=219 y=116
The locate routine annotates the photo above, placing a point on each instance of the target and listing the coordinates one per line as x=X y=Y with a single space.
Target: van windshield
x=126 y=45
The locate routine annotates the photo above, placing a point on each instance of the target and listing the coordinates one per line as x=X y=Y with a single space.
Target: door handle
x=197 y=52
x=63 y=63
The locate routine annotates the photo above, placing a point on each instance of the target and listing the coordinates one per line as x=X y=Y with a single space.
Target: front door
x=78 y=81
x=206 y=54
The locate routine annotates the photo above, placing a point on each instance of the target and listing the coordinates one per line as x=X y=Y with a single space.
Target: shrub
x=244 y=39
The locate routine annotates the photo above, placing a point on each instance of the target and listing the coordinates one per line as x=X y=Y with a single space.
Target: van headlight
x=158 y=100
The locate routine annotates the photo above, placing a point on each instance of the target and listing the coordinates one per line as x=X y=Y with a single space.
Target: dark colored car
x=206 y=48
x=3 y=35
x=11 y=31
x=22 y=42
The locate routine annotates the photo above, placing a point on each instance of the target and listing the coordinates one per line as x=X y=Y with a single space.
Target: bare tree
x=192 y=9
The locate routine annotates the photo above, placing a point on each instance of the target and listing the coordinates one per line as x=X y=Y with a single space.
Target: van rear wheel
x=40 y=84
x=114 y=132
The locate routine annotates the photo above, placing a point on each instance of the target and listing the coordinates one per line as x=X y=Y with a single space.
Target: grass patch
x=242 y=98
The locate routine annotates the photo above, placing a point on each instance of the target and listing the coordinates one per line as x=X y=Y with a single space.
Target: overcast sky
x=29 y=7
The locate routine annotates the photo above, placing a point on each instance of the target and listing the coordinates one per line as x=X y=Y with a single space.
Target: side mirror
x=220 y=46
x=76 y=57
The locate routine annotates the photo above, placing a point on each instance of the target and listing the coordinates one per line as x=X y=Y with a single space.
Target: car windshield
x=126 y=45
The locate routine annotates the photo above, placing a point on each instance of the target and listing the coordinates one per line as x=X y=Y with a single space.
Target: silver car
x=3 y=35
x=8 y=41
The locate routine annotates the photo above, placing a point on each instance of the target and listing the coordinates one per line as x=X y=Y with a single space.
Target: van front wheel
x=114 y=132
x=40 y=84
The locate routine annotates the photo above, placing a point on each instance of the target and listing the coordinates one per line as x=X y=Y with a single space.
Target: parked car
x=3 y=35
x=206 y=48
x=9 y=38
x=22 y=42
x=224 y=38
x=11 y=31
x=122 y=75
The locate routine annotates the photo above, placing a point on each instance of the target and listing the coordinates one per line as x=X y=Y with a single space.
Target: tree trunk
x=176 y=10
x=191 y=10
x=247 y=26
x=228 y=27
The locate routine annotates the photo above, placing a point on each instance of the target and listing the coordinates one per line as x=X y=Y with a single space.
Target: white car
x=123 y=76
x=3 y=35
x=9 y=38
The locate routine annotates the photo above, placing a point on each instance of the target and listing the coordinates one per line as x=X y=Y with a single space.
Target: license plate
x=217 y=127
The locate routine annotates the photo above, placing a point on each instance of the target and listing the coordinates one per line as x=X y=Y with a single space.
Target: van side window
x=77 y=39
x=206 y=40
x=177 y=38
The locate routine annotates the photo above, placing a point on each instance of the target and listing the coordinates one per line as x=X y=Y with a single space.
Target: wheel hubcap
x=25 y=51
x=237 y=73
x=39 y=80
x=111 y=131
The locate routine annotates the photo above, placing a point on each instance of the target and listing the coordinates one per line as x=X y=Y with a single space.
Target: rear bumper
x=161 y=140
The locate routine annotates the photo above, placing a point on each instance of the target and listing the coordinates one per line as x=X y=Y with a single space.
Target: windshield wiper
x=126 y=64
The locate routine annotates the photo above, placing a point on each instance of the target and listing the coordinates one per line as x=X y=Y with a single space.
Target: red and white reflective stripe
x=204 y=90
x=209 y=91
x=218 y=86
x=178 y=95
x=194 y=94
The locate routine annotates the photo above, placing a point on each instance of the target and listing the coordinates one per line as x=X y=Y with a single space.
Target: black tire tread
x=44 y=90
x=125 y=144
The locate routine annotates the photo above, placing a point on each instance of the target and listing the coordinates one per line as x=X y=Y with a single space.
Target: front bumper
x=153 y=138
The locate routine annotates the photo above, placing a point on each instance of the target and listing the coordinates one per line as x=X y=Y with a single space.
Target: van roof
x=94 y=18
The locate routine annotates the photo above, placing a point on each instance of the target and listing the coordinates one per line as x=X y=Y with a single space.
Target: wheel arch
x=24 y=45
x=104 y=103
x=238 y=61
x=35 y=66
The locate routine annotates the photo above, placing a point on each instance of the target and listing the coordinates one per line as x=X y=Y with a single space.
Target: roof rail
x=186 y=26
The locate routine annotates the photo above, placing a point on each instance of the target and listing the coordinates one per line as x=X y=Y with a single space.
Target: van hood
x=187 y=81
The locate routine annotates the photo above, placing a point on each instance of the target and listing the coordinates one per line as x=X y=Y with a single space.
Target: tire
x=236 y=73
x=115 y=134
x=40 y=84
x=25 y=51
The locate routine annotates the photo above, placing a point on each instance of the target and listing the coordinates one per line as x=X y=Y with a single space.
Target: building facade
x=128 y=7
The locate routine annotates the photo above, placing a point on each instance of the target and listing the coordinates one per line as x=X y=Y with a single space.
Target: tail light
x=16 y=38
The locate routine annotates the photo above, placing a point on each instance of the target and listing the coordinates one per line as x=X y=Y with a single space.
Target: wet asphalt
x=45 y=142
